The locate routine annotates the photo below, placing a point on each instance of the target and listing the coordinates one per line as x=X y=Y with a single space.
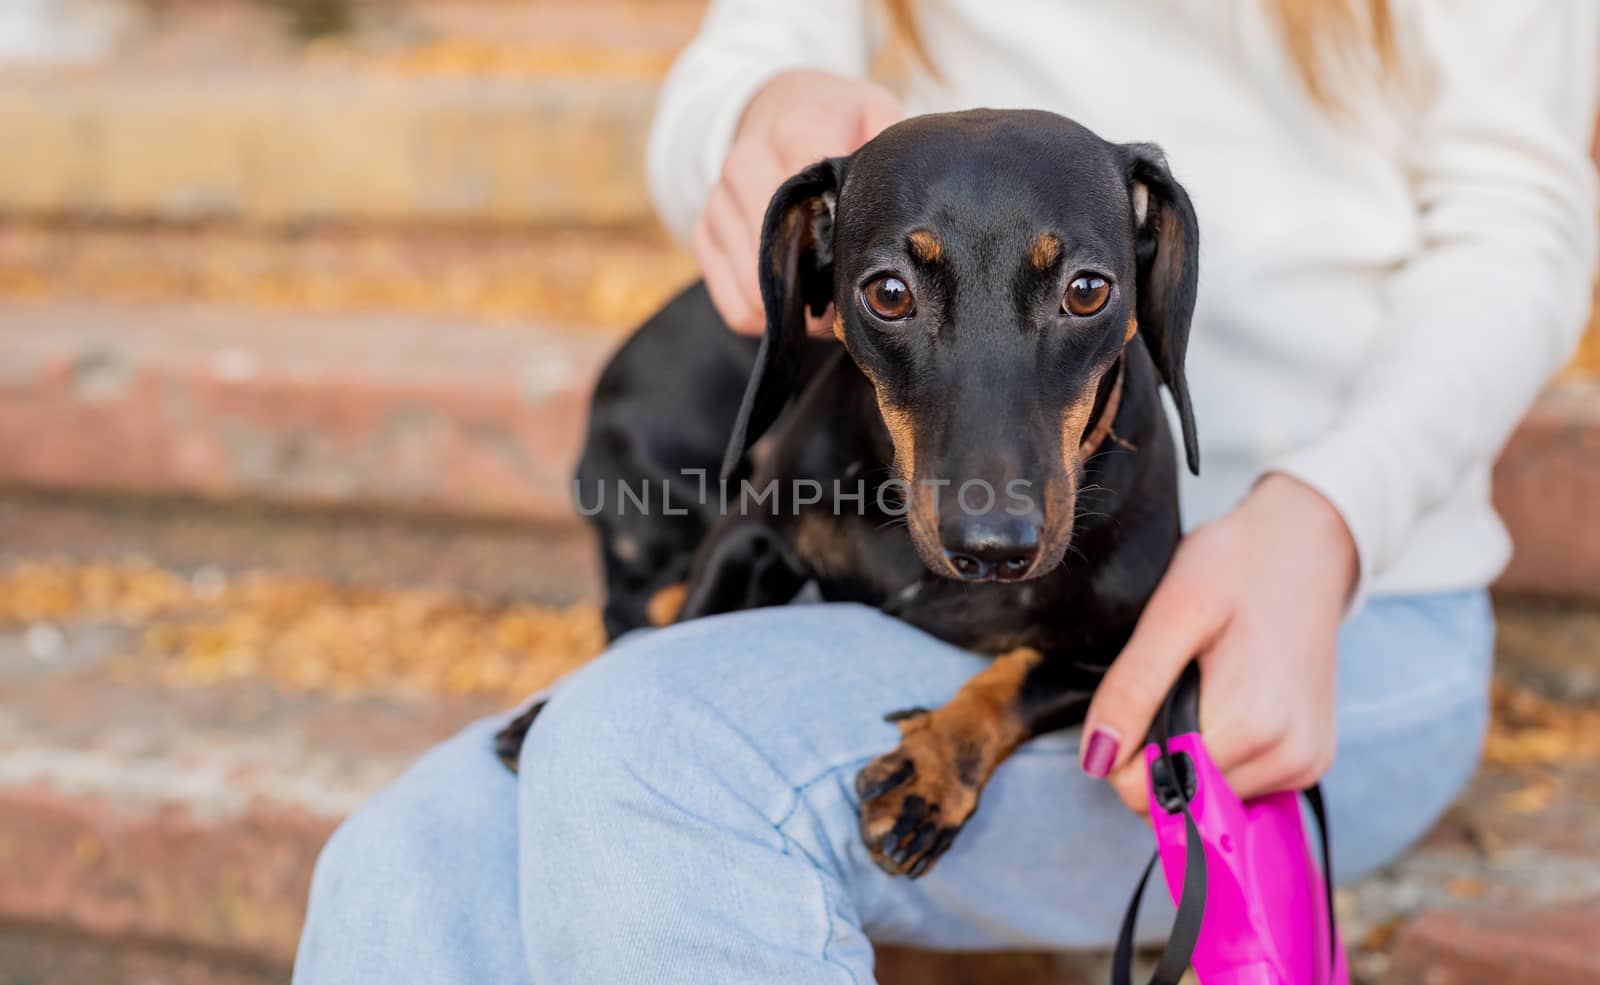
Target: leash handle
x=1181 y=708
x=1273 y=824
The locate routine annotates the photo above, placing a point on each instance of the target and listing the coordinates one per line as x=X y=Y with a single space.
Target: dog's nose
x=999 y=545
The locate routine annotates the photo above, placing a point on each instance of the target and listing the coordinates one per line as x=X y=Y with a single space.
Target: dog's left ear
x=796 y=272
x=1168 y=241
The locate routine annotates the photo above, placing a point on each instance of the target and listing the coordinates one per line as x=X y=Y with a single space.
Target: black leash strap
x=1178 y=953
x=1180 y=947
x=1319 y=811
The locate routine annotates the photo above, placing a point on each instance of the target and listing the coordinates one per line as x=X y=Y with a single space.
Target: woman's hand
x=796 y=119
x=1258 y=596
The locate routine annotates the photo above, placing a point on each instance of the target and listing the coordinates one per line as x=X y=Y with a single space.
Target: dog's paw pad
x=913 y=803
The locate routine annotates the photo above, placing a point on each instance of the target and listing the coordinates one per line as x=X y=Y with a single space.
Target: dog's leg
x=508 y=741
x=742 y=564
x=915 y=800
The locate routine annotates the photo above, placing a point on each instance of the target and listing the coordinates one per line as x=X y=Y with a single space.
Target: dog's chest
x=870 y=560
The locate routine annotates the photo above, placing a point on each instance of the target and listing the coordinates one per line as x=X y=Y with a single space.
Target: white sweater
x=1381 y=297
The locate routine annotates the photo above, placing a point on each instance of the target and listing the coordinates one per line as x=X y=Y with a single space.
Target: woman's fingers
x=1289 y=769
x=1183 y=617
x=820 y=326
x=721 y=283
x=733 y=216
x=1263 y=743
x=751 y=174
x=1256 y=597
x=796 y=119
x=1131 y=784
x=736 y=240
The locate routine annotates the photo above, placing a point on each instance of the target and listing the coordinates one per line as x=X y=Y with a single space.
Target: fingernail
x=1100 y=752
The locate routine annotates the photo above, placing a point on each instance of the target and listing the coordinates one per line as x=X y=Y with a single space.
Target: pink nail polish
x=1100 y=752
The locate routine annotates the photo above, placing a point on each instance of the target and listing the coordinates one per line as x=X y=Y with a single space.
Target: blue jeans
x=685 y=812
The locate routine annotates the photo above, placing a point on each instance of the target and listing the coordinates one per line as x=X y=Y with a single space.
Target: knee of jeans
x=1387 y=790
x=629 y=716
x=374 y=855
x=686 y=712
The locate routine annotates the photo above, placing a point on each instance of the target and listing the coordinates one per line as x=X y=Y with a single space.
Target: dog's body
x=1126 y=527
x=989 y=271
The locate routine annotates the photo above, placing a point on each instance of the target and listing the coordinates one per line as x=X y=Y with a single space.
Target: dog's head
x=987 y=269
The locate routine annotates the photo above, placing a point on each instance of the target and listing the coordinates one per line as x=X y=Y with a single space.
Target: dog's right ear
x=1167 y=239
x=796 y=273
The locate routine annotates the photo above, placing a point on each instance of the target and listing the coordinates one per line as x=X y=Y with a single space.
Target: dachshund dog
x=984 y=455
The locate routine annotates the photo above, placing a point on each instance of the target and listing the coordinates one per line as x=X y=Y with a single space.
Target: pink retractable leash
x=1253 y=906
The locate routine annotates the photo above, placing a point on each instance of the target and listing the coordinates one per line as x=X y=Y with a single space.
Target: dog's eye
x=1085 y=296
x=889 y=298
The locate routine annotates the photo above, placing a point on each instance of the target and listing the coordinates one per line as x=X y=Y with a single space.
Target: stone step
x=527 y=113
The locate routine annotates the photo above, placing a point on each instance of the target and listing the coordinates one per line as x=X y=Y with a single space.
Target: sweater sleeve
x=740 y=45
x=1496 y=298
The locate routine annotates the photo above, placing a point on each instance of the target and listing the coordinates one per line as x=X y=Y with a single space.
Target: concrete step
x=453 y=112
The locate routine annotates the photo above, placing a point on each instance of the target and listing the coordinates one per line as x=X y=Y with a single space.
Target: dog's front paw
x=915 y=800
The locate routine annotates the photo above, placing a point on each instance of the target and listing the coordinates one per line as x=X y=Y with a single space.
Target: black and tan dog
x=1010 y=291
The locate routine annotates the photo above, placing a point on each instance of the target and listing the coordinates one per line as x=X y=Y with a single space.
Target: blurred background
x=300 y=301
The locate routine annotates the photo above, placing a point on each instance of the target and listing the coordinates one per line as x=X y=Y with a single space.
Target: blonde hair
x=1322 y=37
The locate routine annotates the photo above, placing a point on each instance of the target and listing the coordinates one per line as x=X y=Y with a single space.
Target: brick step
x=444 y=415
x=1547 y=487
x=523 y=113
x=503 y=560
x=181 y=808
x=190 y=816
x=378 y=411
x=172 y=821
x=584 y=279
x=34 y=956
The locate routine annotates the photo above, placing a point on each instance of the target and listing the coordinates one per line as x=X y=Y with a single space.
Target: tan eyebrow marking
x=925 y=246
x=1046 y=251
